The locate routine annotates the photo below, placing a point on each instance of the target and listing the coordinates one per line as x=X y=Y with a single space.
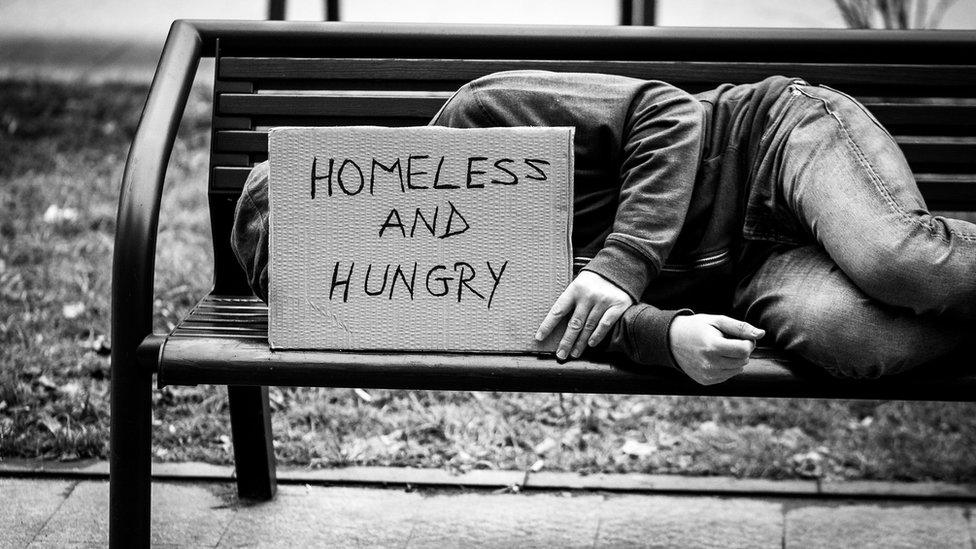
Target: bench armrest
x=142 y=187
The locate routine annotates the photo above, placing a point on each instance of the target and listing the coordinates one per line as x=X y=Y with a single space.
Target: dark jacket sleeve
x=661 y=146
x=641 y=335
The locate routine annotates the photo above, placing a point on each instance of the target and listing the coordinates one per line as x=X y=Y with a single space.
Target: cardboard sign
x=423 y=238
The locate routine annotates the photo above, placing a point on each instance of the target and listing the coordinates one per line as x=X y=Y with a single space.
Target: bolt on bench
x=921 y=85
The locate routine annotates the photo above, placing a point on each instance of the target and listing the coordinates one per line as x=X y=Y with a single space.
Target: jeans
x=860 y=279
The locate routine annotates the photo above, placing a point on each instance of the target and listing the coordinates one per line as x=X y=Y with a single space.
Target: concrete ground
x=73 y=513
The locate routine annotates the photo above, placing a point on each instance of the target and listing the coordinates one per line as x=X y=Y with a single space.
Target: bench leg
x=254 y=459
x=131 y=456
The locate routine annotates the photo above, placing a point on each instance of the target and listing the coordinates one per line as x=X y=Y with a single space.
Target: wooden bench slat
x=302 y=109
x=953 y=192
x=226 y=178
x=893 y=114
x=204 y=321
x=335 y=105
x=462 y=70
x=230 y=158
x=953 y=151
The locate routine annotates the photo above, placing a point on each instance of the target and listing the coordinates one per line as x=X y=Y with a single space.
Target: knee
x=858 y=340
x=869 y=356
x=921 y=275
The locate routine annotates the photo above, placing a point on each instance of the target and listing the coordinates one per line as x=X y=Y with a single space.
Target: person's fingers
x=610 y=317
x=734 y=348
x=592 y=320
x=573 y=328
x=559 y=309
x=737 y=328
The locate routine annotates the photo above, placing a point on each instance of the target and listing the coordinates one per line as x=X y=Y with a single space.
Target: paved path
x=59 y=513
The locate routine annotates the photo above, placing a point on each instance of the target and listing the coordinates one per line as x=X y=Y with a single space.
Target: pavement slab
x=325 y=517
x=34 y=502
x=496 y=520
x=186 y=515
x=881 y=527
x=690 y=522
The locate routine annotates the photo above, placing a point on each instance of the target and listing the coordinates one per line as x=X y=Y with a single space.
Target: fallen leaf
x=538 y=465
x=545 y=446
x=392 y=438
x=361 y=393
x=276 y=398
x=70 y=389
x=50 y=423
x=46 y=382
x=55 y=215
x=808 y=465
x=708 y=426
x=667 y=440
x=73 y=310
x=99 y=345
x=638 y=449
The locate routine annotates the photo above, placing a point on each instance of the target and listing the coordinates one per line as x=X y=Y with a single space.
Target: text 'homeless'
x=351 y=178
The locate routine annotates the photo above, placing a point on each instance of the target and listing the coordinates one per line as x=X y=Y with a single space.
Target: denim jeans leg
x=847 y=182
x=809 y=307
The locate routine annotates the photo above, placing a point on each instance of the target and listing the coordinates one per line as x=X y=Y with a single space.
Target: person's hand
x=595 y=304
x=712 y=348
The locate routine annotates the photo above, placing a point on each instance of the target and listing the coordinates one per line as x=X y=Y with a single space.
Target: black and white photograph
x=459 y=273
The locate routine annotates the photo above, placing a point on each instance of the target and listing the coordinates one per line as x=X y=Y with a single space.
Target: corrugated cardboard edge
x=570 y=209
x=272 y=304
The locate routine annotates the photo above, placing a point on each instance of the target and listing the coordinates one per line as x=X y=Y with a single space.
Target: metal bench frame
x=222 y=342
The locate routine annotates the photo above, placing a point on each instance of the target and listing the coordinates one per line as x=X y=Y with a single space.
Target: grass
x=63 y=148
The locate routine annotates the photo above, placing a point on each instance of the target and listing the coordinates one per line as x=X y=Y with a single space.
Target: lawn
x=63 y=147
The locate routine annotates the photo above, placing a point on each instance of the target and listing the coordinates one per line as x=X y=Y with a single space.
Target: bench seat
x=224 y=341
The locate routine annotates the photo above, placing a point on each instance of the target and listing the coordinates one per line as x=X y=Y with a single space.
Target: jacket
x=662 y=183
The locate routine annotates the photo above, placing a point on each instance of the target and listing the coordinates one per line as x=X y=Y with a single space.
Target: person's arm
x=660 y=144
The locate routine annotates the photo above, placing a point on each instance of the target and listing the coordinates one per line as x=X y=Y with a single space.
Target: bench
x=921 y=85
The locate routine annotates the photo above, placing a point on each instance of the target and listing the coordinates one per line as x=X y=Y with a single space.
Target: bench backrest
x=920 y=85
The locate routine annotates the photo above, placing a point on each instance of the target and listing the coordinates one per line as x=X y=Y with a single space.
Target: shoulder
x=539 y=82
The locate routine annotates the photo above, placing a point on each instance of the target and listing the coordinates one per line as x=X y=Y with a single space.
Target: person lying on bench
x=780 y=203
